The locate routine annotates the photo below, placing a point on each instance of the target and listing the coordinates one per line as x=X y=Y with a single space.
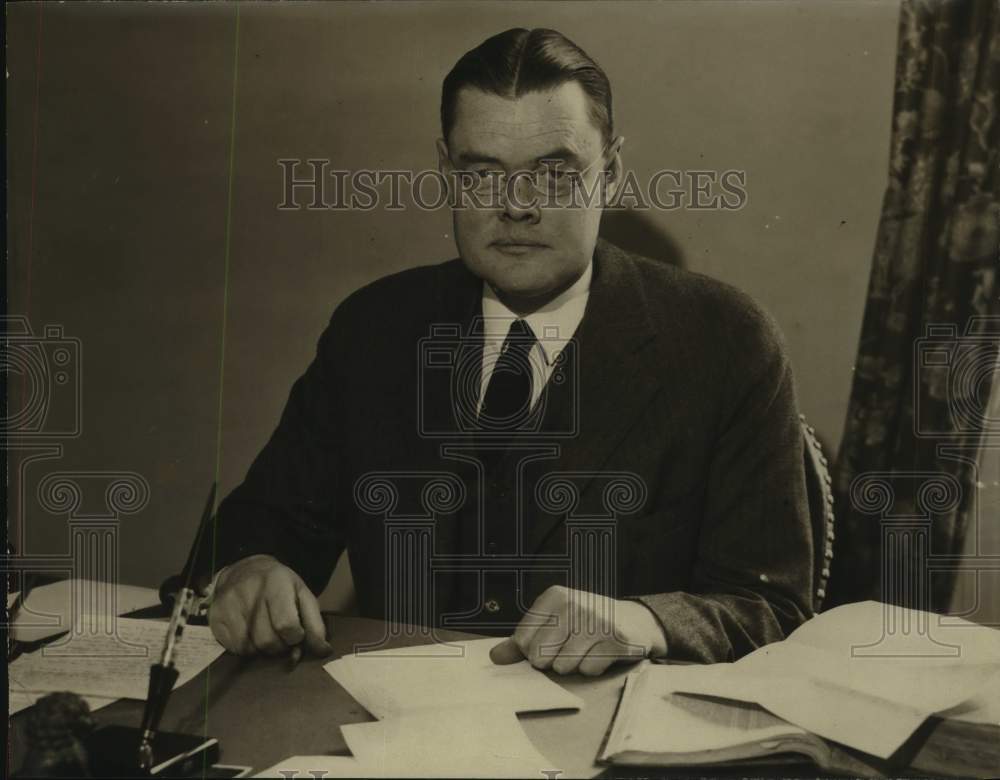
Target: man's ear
x=445 y=168
x=614 y=169
x=444 y=161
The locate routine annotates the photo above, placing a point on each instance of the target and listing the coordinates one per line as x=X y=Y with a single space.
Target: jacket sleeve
x=752 y=579
x=285 y=505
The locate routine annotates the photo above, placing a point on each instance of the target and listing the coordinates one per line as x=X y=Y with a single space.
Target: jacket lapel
x=613 y=376
x=451 y=356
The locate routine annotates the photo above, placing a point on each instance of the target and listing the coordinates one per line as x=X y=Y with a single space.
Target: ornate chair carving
x=819 y=489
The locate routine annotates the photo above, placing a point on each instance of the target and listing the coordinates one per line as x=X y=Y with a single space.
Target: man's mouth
x=517 y=246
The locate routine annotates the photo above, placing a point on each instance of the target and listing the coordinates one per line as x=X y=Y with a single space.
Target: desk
x=262 y=713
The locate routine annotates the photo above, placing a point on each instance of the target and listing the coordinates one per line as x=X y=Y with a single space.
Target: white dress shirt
x=553 y=325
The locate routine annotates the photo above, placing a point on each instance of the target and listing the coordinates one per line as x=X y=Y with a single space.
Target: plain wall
x=119 y=121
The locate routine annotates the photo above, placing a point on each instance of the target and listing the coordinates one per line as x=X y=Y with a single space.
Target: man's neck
x=522 y=305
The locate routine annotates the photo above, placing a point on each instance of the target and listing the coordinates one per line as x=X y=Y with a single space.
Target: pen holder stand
x=113 y=752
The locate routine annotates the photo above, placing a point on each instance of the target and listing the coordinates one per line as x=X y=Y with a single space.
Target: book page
x=658 y=720
x=871 y=629
x=849 y=676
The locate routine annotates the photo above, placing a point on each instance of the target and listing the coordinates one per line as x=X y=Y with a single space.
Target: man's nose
x=520 y=199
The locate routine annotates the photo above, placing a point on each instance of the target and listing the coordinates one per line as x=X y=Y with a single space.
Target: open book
x=865 y=676
x=657 y=725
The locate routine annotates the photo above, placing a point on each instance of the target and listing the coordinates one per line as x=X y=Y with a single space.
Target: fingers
x=313 y=627
x=227 y=619
x=280 y=599
x=262 y=632
x=601 y=655
x=262 y=606
x=575 y=631
x=507 y=652
x=538 y=634
x=572 y=653
x=230 y=631
x=546 y=645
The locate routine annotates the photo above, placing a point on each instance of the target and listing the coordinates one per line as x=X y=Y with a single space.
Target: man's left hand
x=573 y=630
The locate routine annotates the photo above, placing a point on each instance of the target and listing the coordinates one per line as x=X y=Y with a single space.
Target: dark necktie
x=507 y=400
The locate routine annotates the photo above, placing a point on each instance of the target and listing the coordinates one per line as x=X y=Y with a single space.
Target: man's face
x=528 y=254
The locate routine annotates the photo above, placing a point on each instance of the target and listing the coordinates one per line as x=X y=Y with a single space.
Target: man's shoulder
x=418 y=290
x=680 y=299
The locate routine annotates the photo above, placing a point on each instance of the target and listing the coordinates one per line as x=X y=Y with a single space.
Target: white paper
x=455 y=742
x=114 y=666
x=982 y=707
x=459 y=674
x=50 y=609
x=855 y=719
x=844 y=677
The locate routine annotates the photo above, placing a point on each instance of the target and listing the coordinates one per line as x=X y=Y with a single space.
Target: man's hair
x=519 y=61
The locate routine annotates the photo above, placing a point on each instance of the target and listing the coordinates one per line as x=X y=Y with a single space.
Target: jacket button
x=492 y=605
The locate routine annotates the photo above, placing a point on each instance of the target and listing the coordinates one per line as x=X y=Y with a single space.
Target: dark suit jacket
x=665 y=465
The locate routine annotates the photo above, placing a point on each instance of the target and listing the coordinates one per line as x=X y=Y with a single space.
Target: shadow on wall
x=633 y=232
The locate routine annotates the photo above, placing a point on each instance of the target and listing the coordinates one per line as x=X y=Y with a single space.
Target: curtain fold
x=906 y=474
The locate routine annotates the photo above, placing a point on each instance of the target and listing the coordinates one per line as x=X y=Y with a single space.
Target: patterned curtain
x=907 y=470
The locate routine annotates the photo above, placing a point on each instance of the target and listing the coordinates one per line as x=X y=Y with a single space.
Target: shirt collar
x=553 y=324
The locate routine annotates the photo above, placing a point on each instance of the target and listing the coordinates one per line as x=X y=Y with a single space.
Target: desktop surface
x=261 y=711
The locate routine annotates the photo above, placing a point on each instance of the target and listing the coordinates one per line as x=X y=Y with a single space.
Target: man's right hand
x=259 y=605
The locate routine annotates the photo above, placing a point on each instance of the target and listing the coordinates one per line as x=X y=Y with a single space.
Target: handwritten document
x=52 y=608
x=111 y=666
x=458 y=674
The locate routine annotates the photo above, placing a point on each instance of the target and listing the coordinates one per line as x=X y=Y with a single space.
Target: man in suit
x=595 y=453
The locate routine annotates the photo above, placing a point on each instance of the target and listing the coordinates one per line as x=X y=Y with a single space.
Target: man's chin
x=521 y=294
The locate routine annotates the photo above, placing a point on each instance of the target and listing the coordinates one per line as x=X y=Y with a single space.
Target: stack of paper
x=864 y=675
x=103 y=667
x=445 y=711
x=459 y=742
